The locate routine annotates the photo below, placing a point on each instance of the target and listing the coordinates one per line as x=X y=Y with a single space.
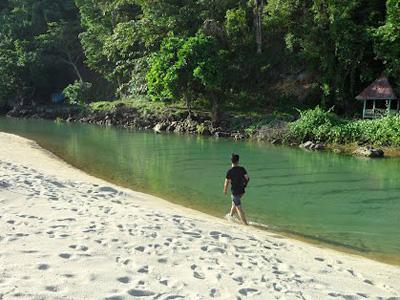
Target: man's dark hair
x=235 y=158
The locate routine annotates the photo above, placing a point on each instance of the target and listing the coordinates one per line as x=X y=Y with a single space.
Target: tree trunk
x=71 y=62
x=77 y=72
x=188 y=107
x=216 y=111
x=258 y=12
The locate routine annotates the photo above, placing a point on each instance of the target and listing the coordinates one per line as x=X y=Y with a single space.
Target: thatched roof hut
x=379 y=99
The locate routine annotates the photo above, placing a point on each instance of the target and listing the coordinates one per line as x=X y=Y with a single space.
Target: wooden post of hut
x=381 y=96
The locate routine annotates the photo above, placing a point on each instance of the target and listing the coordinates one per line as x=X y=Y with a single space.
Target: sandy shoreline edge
x=66 y=234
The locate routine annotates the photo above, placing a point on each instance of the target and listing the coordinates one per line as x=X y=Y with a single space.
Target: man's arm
x=246 y=177
x=226 y=185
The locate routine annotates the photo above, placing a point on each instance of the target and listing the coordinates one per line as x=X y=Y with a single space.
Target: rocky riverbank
x=169 y=120
x=271 y=129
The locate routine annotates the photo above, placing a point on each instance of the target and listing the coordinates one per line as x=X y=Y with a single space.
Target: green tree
x=61 y=45
x=387 y=40
x=333 y=40
x=25 y=29
x=187 y=69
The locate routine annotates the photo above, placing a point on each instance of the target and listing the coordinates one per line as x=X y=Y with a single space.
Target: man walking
x=238 y=179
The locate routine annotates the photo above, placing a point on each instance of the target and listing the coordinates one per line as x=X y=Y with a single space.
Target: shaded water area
x=338 y=200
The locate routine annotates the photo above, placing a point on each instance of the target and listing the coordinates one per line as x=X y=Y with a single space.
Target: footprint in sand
x=248 y=292
x=162 y=260
x=197 y=273
x=367 y=281
x=116 y=297
x=65 y=255
x=218 y=235
x=144 y=269
x=171 y=297
x=193 y=234
x=124 y=279
x=346 y=297
x=214 y=293
x=43 y=267
x=119 y=259
x=78 y=247
x=216 y=250
x=238 y=279
x=140 y=249
x=108 y=189
x=140 y=293
x=52 y=288
x=164 y=282
x=362 y=295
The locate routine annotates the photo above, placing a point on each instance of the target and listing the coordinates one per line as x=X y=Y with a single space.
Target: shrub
x=319 y=125
x=77 y=92
x=313 y=124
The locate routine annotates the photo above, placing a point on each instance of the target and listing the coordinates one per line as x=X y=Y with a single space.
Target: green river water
x=338 y=200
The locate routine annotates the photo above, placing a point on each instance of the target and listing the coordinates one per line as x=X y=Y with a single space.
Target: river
x=337 y=200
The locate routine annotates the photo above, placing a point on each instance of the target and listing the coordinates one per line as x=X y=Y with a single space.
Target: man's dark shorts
x=236 y=199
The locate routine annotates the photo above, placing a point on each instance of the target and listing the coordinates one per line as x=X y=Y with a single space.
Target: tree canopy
x=211 y=53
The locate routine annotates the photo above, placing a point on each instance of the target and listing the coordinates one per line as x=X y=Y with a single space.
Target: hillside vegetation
x=216 y=55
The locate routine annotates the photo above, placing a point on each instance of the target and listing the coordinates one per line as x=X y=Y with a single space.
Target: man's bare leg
x=241 y=215
x=233 y=210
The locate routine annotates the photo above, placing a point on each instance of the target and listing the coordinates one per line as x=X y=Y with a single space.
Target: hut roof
x=380 y=89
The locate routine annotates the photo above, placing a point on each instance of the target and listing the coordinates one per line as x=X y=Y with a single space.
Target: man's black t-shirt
x=238 y=181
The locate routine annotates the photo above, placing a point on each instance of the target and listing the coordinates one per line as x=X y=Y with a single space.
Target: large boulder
x=160 y=127
x=307 y=145
x=369 y=152
x=238 y=136
x=313 y=146
x=222 y=134
x=318 y=147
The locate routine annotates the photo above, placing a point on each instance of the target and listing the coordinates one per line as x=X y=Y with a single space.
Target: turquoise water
x=339 y=200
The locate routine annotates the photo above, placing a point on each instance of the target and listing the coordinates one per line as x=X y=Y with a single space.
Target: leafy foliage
x=320 y=125
x=36 y=38
x=202 y=52
x=388 y=39
x=78 y=92
x=186 y=69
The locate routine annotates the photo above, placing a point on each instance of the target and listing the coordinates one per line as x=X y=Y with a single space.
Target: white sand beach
x=67 y=235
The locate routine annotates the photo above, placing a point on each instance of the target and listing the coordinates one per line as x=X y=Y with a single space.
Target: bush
x=313 y=124
x=319 y=125
x=78 y=92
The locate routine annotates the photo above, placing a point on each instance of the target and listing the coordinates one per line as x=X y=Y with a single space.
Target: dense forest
x=213 y=54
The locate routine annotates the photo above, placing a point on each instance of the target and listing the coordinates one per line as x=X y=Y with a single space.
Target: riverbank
x=143 y=114
x=321 y=129
x=65 y=234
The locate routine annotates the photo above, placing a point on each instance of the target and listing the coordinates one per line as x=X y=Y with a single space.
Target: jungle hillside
x=214 y=55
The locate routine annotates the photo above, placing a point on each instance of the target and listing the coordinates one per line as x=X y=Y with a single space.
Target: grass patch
x=140 y=103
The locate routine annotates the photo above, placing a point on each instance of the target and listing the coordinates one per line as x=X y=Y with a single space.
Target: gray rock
x=319 y=147
x=238 y=136
x=159 y=127
x=313 y=146
x=276 y=142
x=108 y=189
x=369 y=152
x=222 y=134
x=307 y=145
x=171 y=126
